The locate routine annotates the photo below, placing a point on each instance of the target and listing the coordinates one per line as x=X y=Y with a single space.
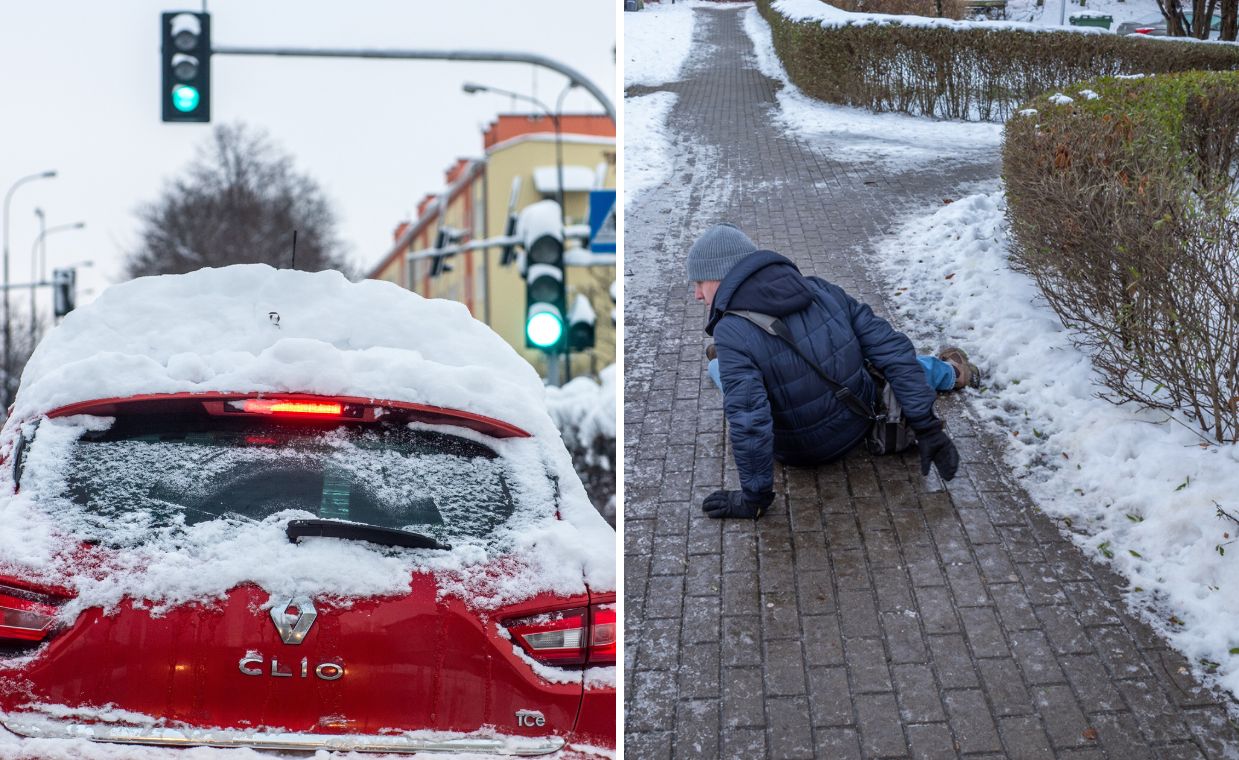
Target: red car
x=295 y=570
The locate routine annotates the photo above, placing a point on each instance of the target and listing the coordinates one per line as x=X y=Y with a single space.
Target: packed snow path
x=870 y=613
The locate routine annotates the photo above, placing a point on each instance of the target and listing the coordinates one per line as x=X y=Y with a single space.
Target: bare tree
x=1176 y=21
x=238 y=202
x=1177 y=24
x=24 y=341
x=1230 y=19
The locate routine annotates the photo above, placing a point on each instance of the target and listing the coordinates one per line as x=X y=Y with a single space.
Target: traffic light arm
x=472 y=245
x=494 y=56
x=573 y=257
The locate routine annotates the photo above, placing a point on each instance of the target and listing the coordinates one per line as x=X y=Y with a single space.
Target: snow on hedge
x=253 y=328
x=857 y=134
x=830 y=16
x=1133 y=488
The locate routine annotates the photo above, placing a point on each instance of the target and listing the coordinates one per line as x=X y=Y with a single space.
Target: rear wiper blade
x=298 y=529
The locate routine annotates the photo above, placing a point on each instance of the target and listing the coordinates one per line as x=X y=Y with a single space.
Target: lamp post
x=39 y=274
x=472 y=88
x=8 y=328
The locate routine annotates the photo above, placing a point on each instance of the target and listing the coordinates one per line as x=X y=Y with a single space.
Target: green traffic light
x=185 y=98
x=544 y=329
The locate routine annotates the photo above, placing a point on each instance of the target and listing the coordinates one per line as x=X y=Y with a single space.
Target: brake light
x=25 y=615
x=576 y=636
x=278 y=406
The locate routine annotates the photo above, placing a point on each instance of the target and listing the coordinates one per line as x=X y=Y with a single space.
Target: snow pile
x=1060 y=99
x=656 y=43
x=648 y=155
x=583 y=409
x=217 y=330
x=860 y=135
x=1135 y=489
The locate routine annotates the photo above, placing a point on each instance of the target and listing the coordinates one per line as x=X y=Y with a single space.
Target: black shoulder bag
x=889 y=432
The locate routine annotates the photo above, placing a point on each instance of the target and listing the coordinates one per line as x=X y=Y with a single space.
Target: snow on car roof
x=250 y=328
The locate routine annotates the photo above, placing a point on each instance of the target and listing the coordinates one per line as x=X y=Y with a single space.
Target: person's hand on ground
x=723 y=504
x=936 y=446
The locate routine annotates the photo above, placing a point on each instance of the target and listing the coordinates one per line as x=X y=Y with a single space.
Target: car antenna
x=294 y=262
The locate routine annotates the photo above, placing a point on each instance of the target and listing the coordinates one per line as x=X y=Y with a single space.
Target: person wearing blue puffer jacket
x=777 y=406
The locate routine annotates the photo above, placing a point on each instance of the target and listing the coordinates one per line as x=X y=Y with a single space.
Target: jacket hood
x=763 y=281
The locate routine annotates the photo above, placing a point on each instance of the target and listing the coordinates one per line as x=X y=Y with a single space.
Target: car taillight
x=556 y=638
x=576 y=636
x=602 y=635
x=25 y=615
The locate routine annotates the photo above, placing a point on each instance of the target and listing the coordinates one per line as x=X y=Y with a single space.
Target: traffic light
x=581 y=322
x=64 y=291
x=509 y=251
x=186 y=51
x=542 y=232
x=445 y=237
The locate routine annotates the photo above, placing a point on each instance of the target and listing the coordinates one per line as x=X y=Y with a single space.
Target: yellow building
x=518 y=169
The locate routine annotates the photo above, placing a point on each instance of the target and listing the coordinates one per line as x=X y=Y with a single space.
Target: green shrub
x=1124 y=209
x=969 y=72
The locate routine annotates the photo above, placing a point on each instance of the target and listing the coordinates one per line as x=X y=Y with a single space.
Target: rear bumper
x=40 y=726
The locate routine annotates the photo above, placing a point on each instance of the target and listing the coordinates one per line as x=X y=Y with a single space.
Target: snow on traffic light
x=541 y=231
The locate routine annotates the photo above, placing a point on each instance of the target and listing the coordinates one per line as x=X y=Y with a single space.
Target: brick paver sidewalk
x=869 y=613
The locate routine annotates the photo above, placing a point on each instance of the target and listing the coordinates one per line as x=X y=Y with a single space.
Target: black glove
x=935 y=446
x=721 y=504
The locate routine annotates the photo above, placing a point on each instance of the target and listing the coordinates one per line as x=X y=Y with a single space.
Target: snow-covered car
x=249 y=507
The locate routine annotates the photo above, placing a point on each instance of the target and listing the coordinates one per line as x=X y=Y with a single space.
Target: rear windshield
x=147 y=476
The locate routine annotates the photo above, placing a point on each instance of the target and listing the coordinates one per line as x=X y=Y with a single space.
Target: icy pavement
x=870 y=613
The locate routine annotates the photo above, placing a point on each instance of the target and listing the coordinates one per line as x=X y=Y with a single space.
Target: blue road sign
x=602 y=221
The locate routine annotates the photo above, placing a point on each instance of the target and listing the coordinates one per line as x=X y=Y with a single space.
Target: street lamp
x=8 y=332
x=472 y=88
x=40 y=274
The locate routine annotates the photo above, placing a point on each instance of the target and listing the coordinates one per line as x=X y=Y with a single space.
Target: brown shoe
x=966 y=373
x=711 y=353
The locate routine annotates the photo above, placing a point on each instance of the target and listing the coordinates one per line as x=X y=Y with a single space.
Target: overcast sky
x=80 y=93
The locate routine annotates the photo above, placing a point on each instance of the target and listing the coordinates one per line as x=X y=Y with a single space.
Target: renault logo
x=293 y=618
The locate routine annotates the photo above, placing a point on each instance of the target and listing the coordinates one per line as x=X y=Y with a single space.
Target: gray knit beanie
x=718 y=250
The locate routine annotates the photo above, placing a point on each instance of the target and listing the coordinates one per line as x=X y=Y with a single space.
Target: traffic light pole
x=491 y=56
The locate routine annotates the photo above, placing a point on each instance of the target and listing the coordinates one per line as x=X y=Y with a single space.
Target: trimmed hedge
x=972 y=73
x=1124 y=208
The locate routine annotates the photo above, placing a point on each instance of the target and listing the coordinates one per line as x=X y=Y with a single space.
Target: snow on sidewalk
x=648 y=152
x=1131 y=487
x=657 y=45
x=657 y=41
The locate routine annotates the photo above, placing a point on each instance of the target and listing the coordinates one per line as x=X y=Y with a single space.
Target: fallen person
x=778 y=405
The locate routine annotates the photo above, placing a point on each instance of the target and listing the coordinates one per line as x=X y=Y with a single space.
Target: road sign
x=602 y=221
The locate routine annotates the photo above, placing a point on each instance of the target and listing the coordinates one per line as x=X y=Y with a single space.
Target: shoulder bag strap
x=774 y=326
